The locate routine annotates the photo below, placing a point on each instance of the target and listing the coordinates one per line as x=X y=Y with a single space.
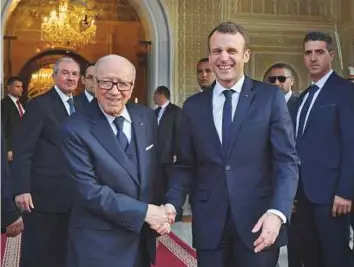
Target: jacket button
x=228 y=168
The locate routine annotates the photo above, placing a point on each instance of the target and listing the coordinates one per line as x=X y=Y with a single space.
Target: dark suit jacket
x=326 y=149
x=259 y=171
x=10 y=120
x=107 y=220
x=292 y=104
x=38 y=167
x=81 y=100
x=9 y=212
x=167 y=133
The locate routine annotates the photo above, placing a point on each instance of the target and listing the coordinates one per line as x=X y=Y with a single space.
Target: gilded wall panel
x=196 y=19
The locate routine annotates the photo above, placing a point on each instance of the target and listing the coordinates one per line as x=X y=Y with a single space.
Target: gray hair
x=63 y=59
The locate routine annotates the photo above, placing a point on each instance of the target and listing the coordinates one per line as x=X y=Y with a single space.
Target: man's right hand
x=24 y=202
x=156 y=215
x=15 y=228
x=10 y=156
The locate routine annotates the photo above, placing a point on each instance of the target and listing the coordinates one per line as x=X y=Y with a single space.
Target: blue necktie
x=71 y=106
x=122 y=139
x=305 y=108
x=227 y=118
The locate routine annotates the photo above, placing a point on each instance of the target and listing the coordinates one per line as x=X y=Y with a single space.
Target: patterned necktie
x=121 y=137
x=305 y=108
x=71 y=105
x=19 y=107
x=226 y=118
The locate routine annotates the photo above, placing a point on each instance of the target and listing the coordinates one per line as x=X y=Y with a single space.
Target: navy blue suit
x=38 y=168
x=259 y=171
x=112 y=189
x=326 y=152
x=81 y=99
x=9 y=212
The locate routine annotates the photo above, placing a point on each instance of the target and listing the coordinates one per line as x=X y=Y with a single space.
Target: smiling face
x=227 y=57
x=317 y=58
x=114 y=69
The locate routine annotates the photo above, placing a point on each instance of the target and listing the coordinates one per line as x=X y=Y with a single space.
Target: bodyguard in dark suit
x=12 y=111
x=324 y=142
x=237 y=153
x=85 y=97
x=205 y=75
x=168 y=117
x=109 y=149
x=42 y=189
x=11 y=221
x=281 y=75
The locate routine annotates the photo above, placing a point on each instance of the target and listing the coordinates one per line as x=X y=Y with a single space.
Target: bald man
x=110 y=155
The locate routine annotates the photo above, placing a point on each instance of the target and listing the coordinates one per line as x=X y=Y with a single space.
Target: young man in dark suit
x=12 y=111
x=109 y=149
x=87 y=78
x=237 y=155
x=42 y=189
x=168 y=117
x=324 y=141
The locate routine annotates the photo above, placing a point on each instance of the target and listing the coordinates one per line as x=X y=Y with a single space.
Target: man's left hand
x=270 y=225
x=341 y=206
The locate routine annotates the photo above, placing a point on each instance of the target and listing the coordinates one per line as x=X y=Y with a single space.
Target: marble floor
x=184 y=232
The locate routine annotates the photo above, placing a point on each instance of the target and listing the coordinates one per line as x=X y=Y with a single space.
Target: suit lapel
x=104 y=134
x=209 y=118
x=138 y=127
x=244 y=101
x=322 y=98
x=58 y=106
x=166 y=112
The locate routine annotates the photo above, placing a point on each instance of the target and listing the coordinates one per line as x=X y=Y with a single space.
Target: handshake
x=160 y=218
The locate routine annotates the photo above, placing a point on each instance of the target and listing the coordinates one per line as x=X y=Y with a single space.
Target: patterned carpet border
x=180 y=249
x=12 y=252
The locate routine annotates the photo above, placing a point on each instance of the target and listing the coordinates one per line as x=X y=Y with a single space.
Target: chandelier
x=41 y=81
x=70 y=26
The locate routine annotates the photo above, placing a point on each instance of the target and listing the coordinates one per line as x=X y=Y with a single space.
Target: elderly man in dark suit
x=12 y=112
x=87 y=78
x=237 y=154
x=109 y=149
x=42 y=189
x=324 y=140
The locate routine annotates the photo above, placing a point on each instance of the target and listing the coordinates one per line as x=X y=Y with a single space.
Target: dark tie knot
x=313 y=89
x=71 y=101
x=228 y=93
x=118 y=122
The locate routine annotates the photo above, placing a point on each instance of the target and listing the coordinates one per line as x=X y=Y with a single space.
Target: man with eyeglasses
x=88 y=94
x=281 y=75
x=109 y=149
x=42 y=189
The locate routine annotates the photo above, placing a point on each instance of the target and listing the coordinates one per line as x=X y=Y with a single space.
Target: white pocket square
x=149 y=147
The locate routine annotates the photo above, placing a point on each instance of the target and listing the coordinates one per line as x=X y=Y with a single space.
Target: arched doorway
x=44 y=60
x=154 y=19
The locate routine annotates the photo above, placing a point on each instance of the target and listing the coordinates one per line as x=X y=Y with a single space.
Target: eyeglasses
x=273 y=79
x=108 y=85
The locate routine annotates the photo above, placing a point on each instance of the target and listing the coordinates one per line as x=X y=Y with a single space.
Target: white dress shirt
x=15 y=99
x=218 y=104
x=88 y=96
x=162 y=110
x=64 y=98
x=127 y=124
x=288 y=95
x=320 y=84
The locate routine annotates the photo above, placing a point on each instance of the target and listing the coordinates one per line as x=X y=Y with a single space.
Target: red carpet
x=171 y=252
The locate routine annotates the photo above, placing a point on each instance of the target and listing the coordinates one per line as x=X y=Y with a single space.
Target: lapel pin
x=141 y=124
x=246 y=95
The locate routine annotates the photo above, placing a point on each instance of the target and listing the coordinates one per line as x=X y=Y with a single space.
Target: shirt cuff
x=168 y=205
x=279 y=214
